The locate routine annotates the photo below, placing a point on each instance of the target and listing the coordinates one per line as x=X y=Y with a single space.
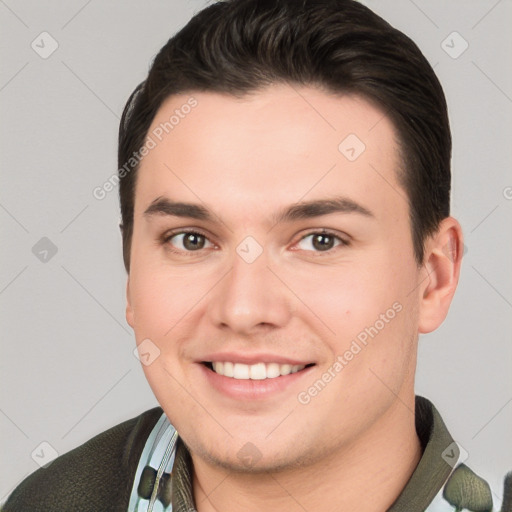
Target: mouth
x=257 y=371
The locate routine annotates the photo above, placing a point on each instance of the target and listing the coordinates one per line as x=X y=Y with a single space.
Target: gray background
x=67 y=367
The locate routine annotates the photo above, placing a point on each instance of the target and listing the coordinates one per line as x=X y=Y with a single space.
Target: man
x=285 y=185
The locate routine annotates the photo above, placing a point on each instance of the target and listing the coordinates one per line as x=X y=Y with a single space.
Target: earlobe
x=443 y=257
x=130 y=315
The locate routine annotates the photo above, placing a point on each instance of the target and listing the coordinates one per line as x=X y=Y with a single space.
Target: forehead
x=277 y=145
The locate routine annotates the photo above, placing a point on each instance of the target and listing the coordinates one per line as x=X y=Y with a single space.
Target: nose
x=250 y=296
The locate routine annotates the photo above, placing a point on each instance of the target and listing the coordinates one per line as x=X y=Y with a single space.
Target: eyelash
x=168 y=235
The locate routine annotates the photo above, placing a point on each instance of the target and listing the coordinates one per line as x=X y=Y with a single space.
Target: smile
x=258 y=371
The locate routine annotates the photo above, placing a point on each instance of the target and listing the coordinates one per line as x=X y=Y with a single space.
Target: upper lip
x=250 y=359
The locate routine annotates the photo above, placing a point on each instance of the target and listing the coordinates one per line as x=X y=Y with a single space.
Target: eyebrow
x=298 y=211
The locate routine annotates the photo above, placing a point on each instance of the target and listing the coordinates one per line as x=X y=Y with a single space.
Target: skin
x=245 y=159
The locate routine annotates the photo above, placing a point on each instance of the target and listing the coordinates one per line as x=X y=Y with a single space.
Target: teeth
x=272 y=370
x=285 y=369
x=228 y=370
x=241 y=371
x=258 y=371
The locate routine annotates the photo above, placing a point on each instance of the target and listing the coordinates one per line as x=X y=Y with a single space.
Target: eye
x=320 y=241
x=190 y=242
x=186 y=241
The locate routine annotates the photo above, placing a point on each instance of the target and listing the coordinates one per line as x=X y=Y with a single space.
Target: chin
x=258 y=457
x=249 y=460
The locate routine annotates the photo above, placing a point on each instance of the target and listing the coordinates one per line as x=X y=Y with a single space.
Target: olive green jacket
x=99 y=475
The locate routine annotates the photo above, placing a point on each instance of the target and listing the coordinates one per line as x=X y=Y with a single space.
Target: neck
x=367 y=476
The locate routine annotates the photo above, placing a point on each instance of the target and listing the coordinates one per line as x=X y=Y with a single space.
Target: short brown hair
x=240 y=46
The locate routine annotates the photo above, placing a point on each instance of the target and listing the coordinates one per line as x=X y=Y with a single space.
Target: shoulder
x=442 y=479
x=465 y=490
x=94 y=476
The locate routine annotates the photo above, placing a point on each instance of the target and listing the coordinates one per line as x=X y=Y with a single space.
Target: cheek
x=153 y=305
x=368 y=306
x=347 y=299
x=162 y=295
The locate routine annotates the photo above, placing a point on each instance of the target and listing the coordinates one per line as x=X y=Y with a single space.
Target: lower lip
x=249 y=389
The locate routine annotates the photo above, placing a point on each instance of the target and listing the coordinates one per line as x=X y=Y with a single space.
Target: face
x=268 y=331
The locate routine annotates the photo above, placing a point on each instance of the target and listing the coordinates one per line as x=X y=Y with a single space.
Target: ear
x=440 y=275
x=130 y=314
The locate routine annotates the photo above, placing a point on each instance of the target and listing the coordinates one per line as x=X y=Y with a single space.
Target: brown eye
x=323 y=242
x=193 y=241
x=320 y=242
x=187 y=241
